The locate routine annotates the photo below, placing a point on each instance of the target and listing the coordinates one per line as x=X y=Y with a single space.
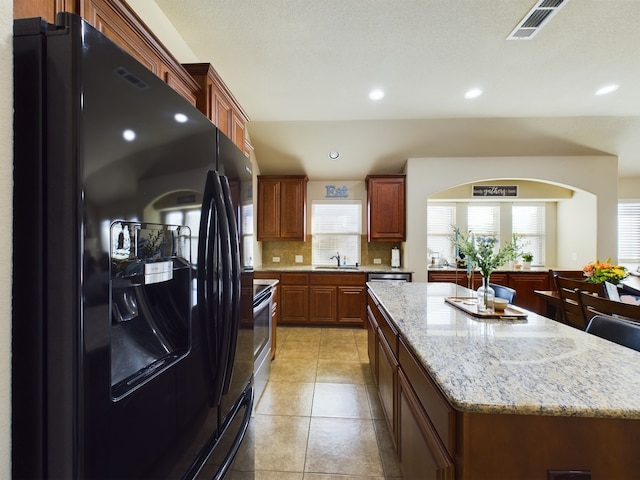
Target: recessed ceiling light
x=607 y=89
x=473 y=93
x=129 y=135
x=376 y=94
x=180 y=117
x=334 y=154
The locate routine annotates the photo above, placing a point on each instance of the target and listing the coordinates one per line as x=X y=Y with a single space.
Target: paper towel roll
x=395 y=257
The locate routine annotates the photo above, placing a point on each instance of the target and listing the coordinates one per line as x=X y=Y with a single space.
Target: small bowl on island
x=500 y=304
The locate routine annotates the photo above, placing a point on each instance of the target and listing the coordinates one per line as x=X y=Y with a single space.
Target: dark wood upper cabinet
x=282 y=207
x=46 y=9
x=386 y=208
x=120 y=23
x=217 y=102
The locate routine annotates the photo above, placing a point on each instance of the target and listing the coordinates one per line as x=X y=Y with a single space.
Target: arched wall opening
x=586 y=224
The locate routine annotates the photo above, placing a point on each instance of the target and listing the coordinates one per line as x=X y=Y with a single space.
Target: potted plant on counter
x=527 y=258
x=484 y=254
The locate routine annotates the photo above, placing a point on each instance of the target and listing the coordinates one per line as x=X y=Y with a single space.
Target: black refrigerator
x=132 y=295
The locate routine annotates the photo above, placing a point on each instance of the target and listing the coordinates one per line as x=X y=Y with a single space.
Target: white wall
x=629 y=188
x=577 y=229
x=6 y=193
x=597 y=175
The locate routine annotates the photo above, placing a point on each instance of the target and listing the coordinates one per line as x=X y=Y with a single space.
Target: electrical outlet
x=377 y=261
x=275 y=259
x=299 y=259
x=574 y=256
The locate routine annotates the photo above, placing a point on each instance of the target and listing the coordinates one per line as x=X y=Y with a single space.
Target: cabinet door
x=293 y=209
x=387 y=384
x=372 y=343
x=351 y=304
x=294 y=300
x=525 y=283
x=222 y=112
x=322 y=304
x=420 y=451
x=46 y=9
x=268 y=209
x=386 y=207
x=117 y=21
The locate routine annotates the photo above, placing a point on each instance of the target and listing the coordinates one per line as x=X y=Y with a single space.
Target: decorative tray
x=469 y=305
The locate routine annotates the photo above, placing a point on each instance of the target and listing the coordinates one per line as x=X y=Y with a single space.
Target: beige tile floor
x=320 y=417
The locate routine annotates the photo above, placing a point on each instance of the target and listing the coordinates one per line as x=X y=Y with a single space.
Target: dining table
x=630 y=285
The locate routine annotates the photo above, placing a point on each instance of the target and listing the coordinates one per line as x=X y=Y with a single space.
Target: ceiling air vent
x=536 y=18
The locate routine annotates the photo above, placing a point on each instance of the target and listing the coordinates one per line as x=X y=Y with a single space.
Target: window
x=629 y=232
x=336 y=228
x=501 y=219
x=440 y=218
x=484 y=219
x=528 y=221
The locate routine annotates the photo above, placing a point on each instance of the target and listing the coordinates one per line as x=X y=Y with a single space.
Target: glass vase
x=486 y=296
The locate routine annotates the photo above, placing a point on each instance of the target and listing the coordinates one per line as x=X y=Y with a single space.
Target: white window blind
x=528 y=221
x=336 y=228
x=629 y=232
x=484 y=219
x=440 y=220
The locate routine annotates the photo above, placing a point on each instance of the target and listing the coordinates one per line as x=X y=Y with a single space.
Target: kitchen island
x=472 y=398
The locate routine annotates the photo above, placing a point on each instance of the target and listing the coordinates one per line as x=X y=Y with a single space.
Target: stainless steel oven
x=262 y=303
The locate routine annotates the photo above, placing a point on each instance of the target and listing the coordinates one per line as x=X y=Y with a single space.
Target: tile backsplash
x=287 y=252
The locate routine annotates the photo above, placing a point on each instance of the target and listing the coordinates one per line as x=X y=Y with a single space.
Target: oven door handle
x=263 y=302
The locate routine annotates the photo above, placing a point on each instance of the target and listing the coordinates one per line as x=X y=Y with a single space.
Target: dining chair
x=509 y=294
x=592 y=305
x=568 y=289
x=616 y=330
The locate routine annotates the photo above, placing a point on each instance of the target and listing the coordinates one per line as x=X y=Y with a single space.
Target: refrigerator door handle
x=205 y=278
x=235 y=281
x=221 y=335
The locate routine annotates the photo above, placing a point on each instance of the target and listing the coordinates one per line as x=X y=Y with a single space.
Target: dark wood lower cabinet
x=387 y=385
x=436 y=441
x=351 y=304
x=372 y=343
x=322 y=304
x=323 y=299
x=294 y=298
x=420 y=451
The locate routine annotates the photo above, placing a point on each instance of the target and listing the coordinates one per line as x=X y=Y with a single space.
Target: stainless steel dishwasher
x=389 y=277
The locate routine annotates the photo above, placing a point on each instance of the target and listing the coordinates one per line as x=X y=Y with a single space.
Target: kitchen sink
x=335 y=267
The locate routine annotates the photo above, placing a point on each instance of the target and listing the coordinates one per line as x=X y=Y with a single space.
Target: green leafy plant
x=483 y=251
x=527 y=257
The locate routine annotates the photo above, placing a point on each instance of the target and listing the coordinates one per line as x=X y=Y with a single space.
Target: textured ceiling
x=302 y=70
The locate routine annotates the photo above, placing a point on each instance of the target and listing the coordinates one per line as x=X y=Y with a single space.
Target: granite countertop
x=532 y=367
x=497 y=270
x=347 y=269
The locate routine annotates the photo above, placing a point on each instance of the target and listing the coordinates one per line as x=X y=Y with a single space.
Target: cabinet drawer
x=294 y=279
x=441 y=414
x=337 y=279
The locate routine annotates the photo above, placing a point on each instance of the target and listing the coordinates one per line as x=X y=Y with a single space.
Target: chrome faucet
x=337 y=257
